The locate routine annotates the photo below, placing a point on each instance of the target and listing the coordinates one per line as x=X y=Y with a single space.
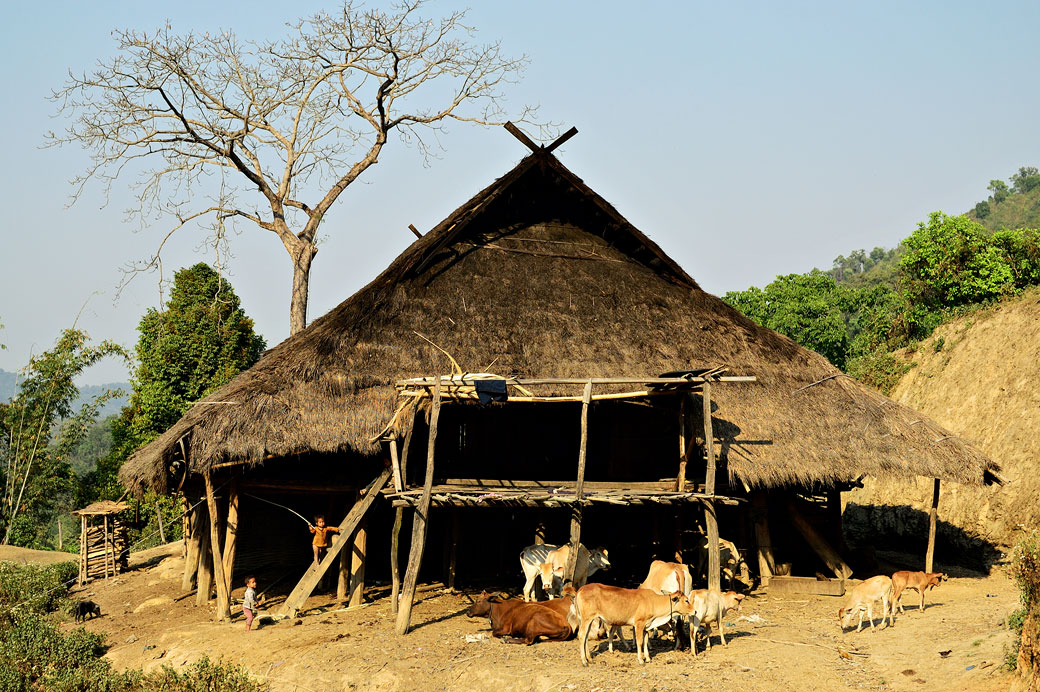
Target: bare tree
x=273 y=133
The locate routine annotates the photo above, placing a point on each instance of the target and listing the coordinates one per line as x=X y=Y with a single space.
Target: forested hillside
x=1011 y=206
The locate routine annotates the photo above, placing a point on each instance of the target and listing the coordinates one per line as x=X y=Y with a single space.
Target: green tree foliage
x=982 y=209
x=39 y=431
x=809 y=308
x=999 y=189
x=951 y=261
x=1026 y=180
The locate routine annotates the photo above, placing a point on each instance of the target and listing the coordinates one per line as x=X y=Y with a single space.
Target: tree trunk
x=302 y=256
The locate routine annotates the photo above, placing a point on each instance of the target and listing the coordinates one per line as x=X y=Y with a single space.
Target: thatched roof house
x=539 y=275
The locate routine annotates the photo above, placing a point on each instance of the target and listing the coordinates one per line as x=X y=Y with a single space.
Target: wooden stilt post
x=395 y=563
x=456 y=530
x=760 y=515
x=680 y=479
x=395 y=465
x=223 y=601
x=196 y=529
x=204 y=582
x=419 y=523
x=105 y=543
x=83 y=550
x=929 y=554
x=357 y=564
x=185 y=528
x=678 y=534
x=576 y=517
x=343 y=581
x=710 y=520
x=158 y=519
x=231 y=536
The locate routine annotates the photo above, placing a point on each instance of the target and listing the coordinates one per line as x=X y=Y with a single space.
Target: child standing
x=321 y=541
x=249 y=602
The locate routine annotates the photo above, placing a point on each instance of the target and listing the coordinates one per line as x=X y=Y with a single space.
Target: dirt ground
x=774 y=643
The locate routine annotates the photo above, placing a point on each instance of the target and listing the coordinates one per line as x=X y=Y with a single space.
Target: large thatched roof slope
x=542 y=277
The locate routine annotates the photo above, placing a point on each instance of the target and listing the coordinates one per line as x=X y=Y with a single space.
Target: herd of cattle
x=665 y=598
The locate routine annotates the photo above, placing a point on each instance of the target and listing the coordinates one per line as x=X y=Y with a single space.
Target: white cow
x=549 y=562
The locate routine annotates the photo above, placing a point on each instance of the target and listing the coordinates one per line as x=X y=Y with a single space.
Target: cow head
x=481 y=607
x=549 y=577
x=732 y=599
x=934 y=578
x=842 y=612
x=680 y=603
x=598 y=558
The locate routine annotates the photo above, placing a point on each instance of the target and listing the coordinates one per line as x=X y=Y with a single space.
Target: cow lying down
x=520 y=621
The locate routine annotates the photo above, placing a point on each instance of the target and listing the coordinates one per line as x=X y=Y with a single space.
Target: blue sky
x=747 y=139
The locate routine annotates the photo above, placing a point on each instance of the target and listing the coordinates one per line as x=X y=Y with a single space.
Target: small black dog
x=84 y=609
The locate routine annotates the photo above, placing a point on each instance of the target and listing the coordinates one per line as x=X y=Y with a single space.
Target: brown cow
x=517 y=619
x=640 y=608
x=918 y=581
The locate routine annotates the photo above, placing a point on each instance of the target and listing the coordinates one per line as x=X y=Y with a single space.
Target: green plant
x=938 y=345
x=203 y=675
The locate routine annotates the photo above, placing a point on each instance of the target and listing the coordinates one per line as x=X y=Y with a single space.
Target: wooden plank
x=314 y=573
x=223 y=597
x=933 y=512
x=420 y=524
x=395 y=563
x=561 y=139
x=519 y=134
x=811 y=585
x=576 y=516
x=760 y=514
x=231 y=534
x=452 y=484
x=819 y=545
x=710 y=520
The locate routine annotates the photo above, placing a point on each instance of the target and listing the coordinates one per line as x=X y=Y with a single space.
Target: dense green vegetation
x=55 y=457
x=1011 y=206
x=36 y=654
x=1025 y=622
x=870 y=304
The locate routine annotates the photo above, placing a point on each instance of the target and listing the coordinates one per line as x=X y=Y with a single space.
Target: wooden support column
x=223 y=600
x=395 y=563
x=104 y=543
x=711 y=522
x=185 y=527
x=193 y=538
x=82 y=550
x=231 y=536
x=395 y=465
x=680 y=479
x=204 y=583
x=358 y=557
x=819 y=545
x=345 y=557
x=929 y=554
x=158 y=519
x=760 y=514
x=453 y=560
x=576 y=517
x=419 y=523
x=678 y=557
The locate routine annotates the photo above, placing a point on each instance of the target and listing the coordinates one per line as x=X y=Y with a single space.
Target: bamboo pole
x=929 y=554
x=83 y=576
x=419 y=523
x=576 y=516
x=710 y=520
x=106 y=543
x=223 y=601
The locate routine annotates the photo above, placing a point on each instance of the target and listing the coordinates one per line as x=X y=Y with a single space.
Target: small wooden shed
x=103 y=546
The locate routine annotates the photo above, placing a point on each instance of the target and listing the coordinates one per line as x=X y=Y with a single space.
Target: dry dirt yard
x=775 y=643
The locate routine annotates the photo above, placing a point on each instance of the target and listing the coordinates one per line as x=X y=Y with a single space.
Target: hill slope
x=979 y=375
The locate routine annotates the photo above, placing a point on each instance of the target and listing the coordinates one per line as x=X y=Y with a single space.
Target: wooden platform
x=547 y=494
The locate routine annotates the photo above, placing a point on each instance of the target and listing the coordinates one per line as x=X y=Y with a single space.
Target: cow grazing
x=85 y=609
x=862 y=598
x=549 y=562
x=638 y=608
x=918 y=581
x=526 y=622
x=711 y=606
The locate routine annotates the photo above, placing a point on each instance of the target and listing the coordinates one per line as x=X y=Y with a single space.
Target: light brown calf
x=918 y=581
x=862 y=599
x=708 y=607
x=639 y=608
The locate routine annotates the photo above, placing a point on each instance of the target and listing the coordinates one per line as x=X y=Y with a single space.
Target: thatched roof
x=543 y=277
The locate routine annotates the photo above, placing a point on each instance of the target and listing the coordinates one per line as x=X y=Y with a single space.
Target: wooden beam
x=420 y=524
x=819 y=545
x=576 y=517
x=223 y=598
x=929 y=554
x=231 y=535
x=711 y=522
x=314 y=573
x=395 y=563
x=414 y=230
x=561 y=139
x=420 y=521
x=516 y=132
x=358 y=557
